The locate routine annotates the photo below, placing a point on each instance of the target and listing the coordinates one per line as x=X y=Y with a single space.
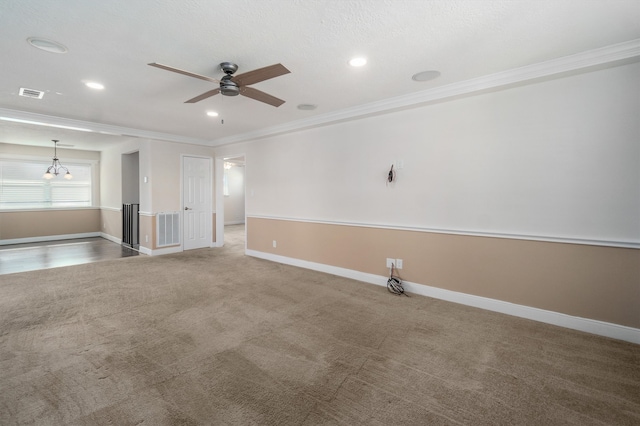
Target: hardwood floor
x=52 y=254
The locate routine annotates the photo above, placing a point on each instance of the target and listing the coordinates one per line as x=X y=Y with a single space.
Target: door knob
x=187 y=208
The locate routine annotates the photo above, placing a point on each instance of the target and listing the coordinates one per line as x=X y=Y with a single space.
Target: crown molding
x=555 y=67
x=92 y=127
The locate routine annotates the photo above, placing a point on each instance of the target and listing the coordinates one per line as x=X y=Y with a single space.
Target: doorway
x=233 y=188
x=196 y=202
x=230 y=198
x=130 y=199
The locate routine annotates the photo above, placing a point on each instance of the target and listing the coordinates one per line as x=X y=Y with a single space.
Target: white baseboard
x=50 y=238
x=158 y=252
x=111 y=238
x=146 y=251
x=587 y=325
x=168 y=250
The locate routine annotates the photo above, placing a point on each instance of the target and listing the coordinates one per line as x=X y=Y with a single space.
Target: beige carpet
x=212 y=337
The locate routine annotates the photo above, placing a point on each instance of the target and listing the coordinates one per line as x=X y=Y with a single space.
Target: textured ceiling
x=113 y=41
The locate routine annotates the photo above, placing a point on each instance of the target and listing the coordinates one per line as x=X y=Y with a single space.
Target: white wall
x=160 y=162
x=111 y=172
x=558 y=158
x=131 y=178
x=46 y=153
x=165 y=177
x=234 y=202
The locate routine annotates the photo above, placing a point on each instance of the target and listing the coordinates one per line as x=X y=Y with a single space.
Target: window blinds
x=23 y=187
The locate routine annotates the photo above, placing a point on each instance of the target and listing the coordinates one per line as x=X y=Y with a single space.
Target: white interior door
x=197 y=202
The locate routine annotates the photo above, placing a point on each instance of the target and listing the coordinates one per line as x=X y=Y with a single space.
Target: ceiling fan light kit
x=234 y=85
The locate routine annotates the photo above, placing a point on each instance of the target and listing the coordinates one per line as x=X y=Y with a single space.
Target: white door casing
x=219 y=201
x=196 y=202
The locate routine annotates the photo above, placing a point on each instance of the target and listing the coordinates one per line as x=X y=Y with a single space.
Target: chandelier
x=55 y=168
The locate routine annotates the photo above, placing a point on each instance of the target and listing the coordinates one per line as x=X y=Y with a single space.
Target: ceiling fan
x=234 y=85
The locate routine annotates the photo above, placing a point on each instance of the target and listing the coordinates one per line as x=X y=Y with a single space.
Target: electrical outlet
x=398 y=263
x=275 y=244
x=146 y=238
x=390 y=262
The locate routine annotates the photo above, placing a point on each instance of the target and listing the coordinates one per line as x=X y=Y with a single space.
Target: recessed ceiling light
x=94 y=85
x=358 y=62
x=426 y=75
x=212 y=113
x=307 y=107
x=48 y=45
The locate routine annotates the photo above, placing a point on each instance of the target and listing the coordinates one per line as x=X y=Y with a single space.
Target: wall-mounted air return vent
x=31 y=93
x=168 y=229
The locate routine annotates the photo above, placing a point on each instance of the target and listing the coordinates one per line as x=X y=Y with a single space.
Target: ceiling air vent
x=31 y=93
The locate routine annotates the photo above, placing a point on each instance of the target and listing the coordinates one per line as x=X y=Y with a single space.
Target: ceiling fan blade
x=261 y=74
x=259 y=95
x=205 y=95
x=183 y=72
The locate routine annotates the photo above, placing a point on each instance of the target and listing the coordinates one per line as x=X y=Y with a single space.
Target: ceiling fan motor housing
x=229 y=87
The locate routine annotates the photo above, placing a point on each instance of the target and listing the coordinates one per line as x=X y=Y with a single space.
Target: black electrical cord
x=394 y=283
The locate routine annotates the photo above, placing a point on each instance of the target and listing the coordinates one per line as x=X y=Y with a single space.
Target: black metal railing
x=131 y=225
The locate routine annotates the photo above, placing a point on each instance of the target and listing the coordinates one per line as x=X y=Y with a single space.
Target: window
x=23 y=187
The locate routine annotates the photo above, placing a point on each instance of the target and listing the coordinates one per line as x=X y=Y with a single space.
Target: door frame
x=209 y=229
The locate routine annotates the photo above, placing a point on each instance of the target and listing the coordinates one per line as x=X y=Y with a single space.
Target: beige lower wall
x=46 y=223
x=111 y=222
x=600 y=283
x=148 y=227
